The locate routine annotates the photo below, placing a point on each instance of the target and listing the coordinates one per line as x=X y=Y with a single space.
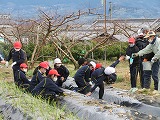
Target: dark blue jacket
x=83 y=75
x=36 y=79
x=98 y=76
x=36 y=69
x=46 y=86
x=21 y=78
x=16 y=56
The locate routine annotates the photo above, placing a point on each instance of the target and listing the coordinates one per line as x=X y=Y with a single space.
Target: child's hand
x=122 y=58
x=88 y=94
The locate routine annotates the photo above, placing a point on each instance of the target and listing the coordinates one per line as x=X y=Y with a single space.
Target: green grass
x=30 y=73
x=71 y=69
x=119 y=79
x=34 y=107
x=1 y=117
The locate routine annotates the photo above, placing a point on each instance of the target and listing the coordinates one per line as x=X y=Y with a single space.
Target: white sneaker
x=130 y=90
x=134 y=90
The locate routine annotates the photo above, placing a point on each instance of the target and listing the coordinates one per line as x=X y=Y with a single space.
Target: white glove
x=154 y=60
x=127 y=57
x=90 y=83
x=7 y=64
x=13 y=64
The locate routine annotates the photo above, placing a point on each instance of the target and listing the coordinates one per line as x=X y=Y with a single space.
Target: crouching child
x=21 y=80
x=82 y=77
x=104 y=74
x=47 y=88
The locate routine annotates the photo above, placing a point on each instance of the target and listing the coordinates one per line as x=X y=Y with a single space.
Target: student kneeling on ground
x=82 y=77
x=62 y=71
x=38 y=77
x=21 y=79
x=104 y=74
x=47 y=70
x=47 y=87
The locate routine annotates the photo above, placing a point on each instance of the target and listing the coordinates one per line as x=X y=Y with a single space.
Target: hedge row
x=49 y=51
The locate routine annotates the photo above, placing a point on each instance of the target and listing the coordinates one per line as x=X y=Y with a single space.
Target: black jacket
x=149 y=56
x=46 y=86
x=141 y=43
x=129 y=52
x=16 y=56
x=63 y=71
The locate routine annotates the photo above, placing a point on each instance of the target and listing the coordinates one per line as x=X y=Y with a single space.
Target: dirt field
x=6 y=74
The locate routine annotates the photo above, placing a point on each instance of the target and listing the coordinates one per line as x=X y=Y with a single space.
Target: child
x=133 y=63
x=104 y=74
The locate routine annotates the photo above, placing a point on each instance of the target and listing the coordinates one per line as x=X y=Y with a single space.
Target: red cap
x=98 y=65
x=46 y=62
x=17 y=45
x=23 y=65
x=131 y=40
x=53 y=72
x=43 y=65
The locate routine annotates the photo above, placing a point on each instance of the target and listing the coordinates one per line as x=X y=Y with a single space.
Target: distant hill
x=136 y=8
x=121 y=8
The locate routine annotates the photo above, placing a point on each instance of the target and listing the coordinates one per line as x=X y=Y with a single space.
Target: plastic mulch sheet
x=11 y=113
x=122 y=98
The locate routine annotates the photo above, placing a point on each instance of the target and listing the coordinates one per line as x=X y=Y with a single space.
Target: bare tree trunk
x=33 y=56
x=35 y=49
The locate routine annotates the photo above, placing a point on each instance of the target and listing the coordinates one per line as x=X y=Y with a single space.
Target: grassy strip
x=1 y=117
x=34 y=107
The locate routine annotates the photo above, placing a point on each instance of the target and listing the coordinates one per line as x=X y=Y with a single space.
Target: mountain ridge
x=120 y=8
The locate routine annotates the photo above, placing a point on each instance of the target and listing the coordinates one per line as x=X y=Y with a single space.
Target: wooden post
x=105 y=28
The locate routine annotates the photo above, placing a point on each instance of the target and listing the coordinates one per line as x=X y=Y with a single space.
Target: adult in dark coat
x=141 y=43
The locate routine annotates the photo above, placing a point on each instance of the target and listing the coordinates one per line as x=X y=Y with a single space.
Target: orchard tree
x=60 y=31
